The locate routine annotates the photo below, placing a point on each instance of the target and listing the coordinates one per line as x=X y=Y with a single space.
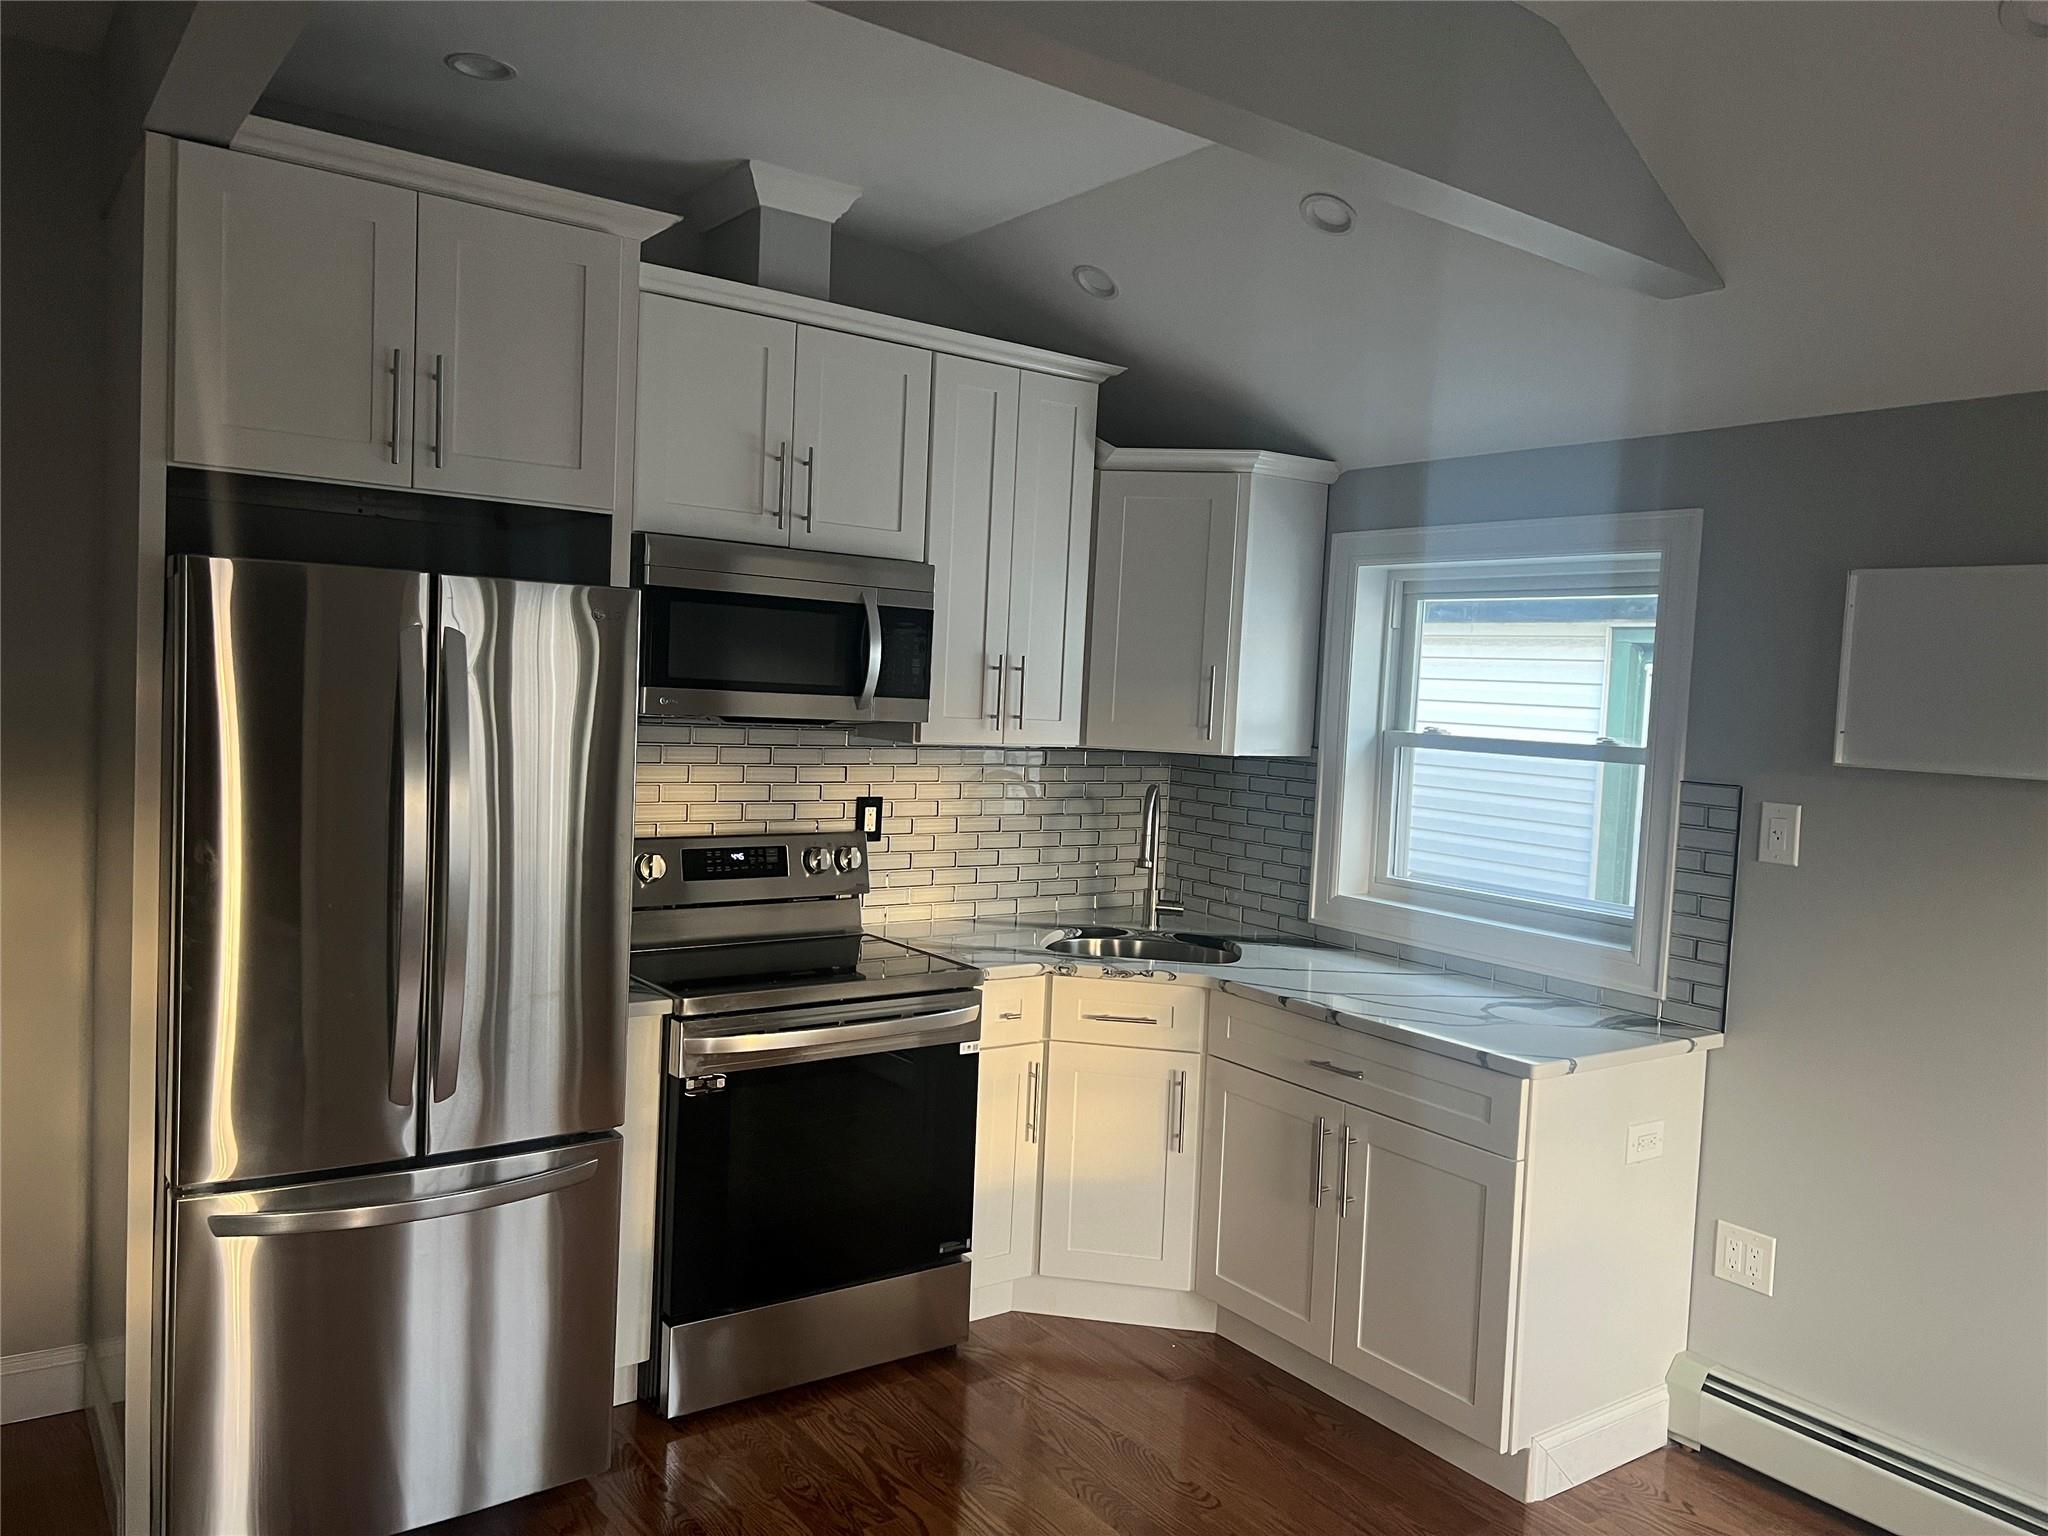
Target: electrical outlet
x=1777 y=834
x=1645 y=1141
x=1745 y=1258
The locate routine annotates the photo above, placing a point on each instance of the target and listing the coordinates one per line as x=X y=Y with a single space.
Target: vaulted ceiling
x=1867 y=182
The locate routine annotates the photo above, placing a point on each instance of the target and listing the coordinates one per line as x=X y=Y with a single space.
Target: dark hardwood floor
x=1037 y=1425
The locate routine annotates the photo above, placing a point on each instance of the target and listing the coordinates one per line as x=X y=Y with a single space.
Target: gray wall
x=1881 y=1107
x=50 y=336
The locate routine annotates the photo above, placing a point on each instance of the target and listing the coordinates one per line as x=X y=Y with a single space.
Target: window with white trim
x=1503 y=726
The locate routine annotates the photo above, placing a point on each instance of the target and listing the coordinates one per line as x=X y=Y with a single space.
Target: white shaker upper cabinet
x=1207 y=606
x=518 y=377
x=1163 y=561
x=1049 y=545
x=717 y=413
x=292 y=346
x=1012 y=506
x=973 y=504
x=863 y=434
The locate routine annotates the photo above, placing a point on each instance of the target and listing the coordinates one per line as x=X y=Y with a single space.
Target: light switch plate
x=1645 y=1141
x=1777 y=834
x=1745 y=1258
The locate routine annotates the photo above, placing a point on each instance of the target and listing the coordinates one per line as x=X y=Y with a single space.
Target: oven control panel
x=750 y=861
x=699 y=871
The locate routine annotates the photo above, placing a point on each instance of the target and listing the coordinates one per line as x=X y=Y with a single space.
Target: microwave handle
x=874 y=678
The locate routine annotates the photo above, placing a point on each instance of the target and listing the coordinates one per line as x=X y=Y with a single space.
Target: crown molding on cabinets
x=466 y=183
x=696 y=286
x=1227 y=461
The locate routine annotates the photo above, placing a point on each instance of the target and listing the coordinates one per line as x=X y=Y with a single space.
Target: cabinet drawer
x=1013 y=1012
x=1453 y=1098
x=1155 y=1015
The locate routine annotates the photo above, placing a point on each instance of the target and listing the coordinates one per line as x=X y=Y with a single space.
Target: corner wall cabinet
x=335 y=327
x=1206 y=615
x=1012 y=512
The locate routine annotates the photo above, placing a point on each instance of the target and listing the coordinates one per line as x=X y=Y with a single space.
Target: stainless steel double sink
x=1144 y=944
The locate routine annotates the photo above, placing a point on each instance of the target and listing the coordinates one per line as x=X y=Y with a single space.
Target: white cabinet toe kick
x=1464 y=1256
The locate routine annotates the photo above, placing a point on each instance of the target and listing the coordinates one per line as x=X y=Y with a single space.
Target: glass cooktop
x=801 y=972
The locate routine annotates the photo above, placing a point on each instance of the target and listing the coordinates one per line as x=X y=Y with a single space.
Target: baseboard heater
x=1891 y=1486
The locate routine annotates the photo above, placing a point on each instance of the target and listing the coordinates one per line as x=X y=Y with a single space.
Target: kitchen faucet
x=1149 y=861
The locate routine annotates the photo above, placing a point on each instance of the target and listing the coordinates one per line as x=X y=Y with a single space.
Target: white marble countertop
x=1491 y=1023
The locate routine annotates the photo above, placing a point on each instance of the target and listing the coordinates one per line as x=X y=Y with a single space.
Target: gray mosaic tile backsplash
x=994 y=833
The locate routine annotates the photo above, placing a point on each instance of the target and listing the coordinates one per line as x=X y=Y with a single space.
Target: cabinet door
x=1006 y=1149
x=1425 y=1267
x=973 y=491
x=1268 y=1242
x=518 y=377
x=1049 y=563
x=1165 y=552
x=717 y=408
x=1122 y=1165
x=293 y=330
x=863 y=433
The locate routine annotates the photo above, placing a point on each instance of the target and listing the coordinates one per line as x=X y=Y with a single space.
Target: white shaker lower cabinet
x=1008 y=1142
x=863 y=435
x=1122 y=1174
x=1523 y=1294
x=1425 y=1271
x=1268 y=1242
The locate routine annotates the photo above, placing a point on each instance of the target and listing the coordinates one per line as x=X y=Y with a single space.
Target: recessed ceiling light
x=1095 y=282
x=1328 y=212
x=2024 y=18
x=480 y=66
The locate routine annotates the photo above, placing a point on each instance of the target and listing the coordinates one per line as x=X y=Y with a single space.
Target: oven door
x=742 y=647
x=817 y=1170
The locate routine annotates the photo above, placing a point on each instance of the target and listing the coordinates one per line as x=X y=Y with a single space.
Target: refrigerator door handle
x=338 y=1218
x=411 y=948
x=456 y=876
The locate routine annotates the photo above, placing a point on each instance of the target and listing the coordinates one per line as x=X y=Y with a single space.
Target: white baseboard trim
x=1562 y=1458
x=1911 y=1500
x=1599 y=1442
x=41 y=1382
x=1096 y=1301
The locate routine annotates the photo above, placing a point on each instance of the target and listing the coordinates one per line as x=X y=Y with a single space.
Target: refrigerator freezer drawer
x=366 y=1355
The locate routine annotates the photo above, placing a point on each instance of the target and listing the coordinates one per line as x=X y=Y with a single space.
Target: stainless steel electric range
x=817 y=1120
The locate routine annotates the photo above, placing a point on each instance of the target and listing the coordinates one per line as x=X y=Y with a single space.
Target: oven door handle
x=691 y=1057
x=874 y=677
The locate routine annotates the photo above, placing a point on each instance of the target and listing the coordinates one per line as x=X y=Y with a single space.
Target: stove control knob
x=847 y=858
x=817 y=861
x=650 y=867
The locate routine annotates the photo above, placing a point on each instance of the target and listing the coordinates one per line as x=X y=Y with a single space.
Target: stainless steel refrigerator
x=397 y=1000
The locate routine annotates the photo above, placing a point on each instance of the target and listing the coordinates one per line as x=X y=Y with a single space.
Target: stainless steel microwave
x=749 y=632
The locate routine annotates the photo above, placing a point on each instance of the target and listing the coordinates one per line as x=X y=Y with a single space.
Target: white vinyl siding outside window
x=1498 y=771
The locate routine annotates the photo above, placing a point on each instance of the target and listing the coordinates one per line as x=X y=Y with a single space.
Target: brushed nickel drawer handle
x=1121 y=1018
x=1016 y=1015
x=1331 y=1066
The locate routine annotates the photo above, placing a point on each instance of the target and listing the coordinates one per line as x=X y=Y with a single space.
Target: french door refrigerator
x=400 y=906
